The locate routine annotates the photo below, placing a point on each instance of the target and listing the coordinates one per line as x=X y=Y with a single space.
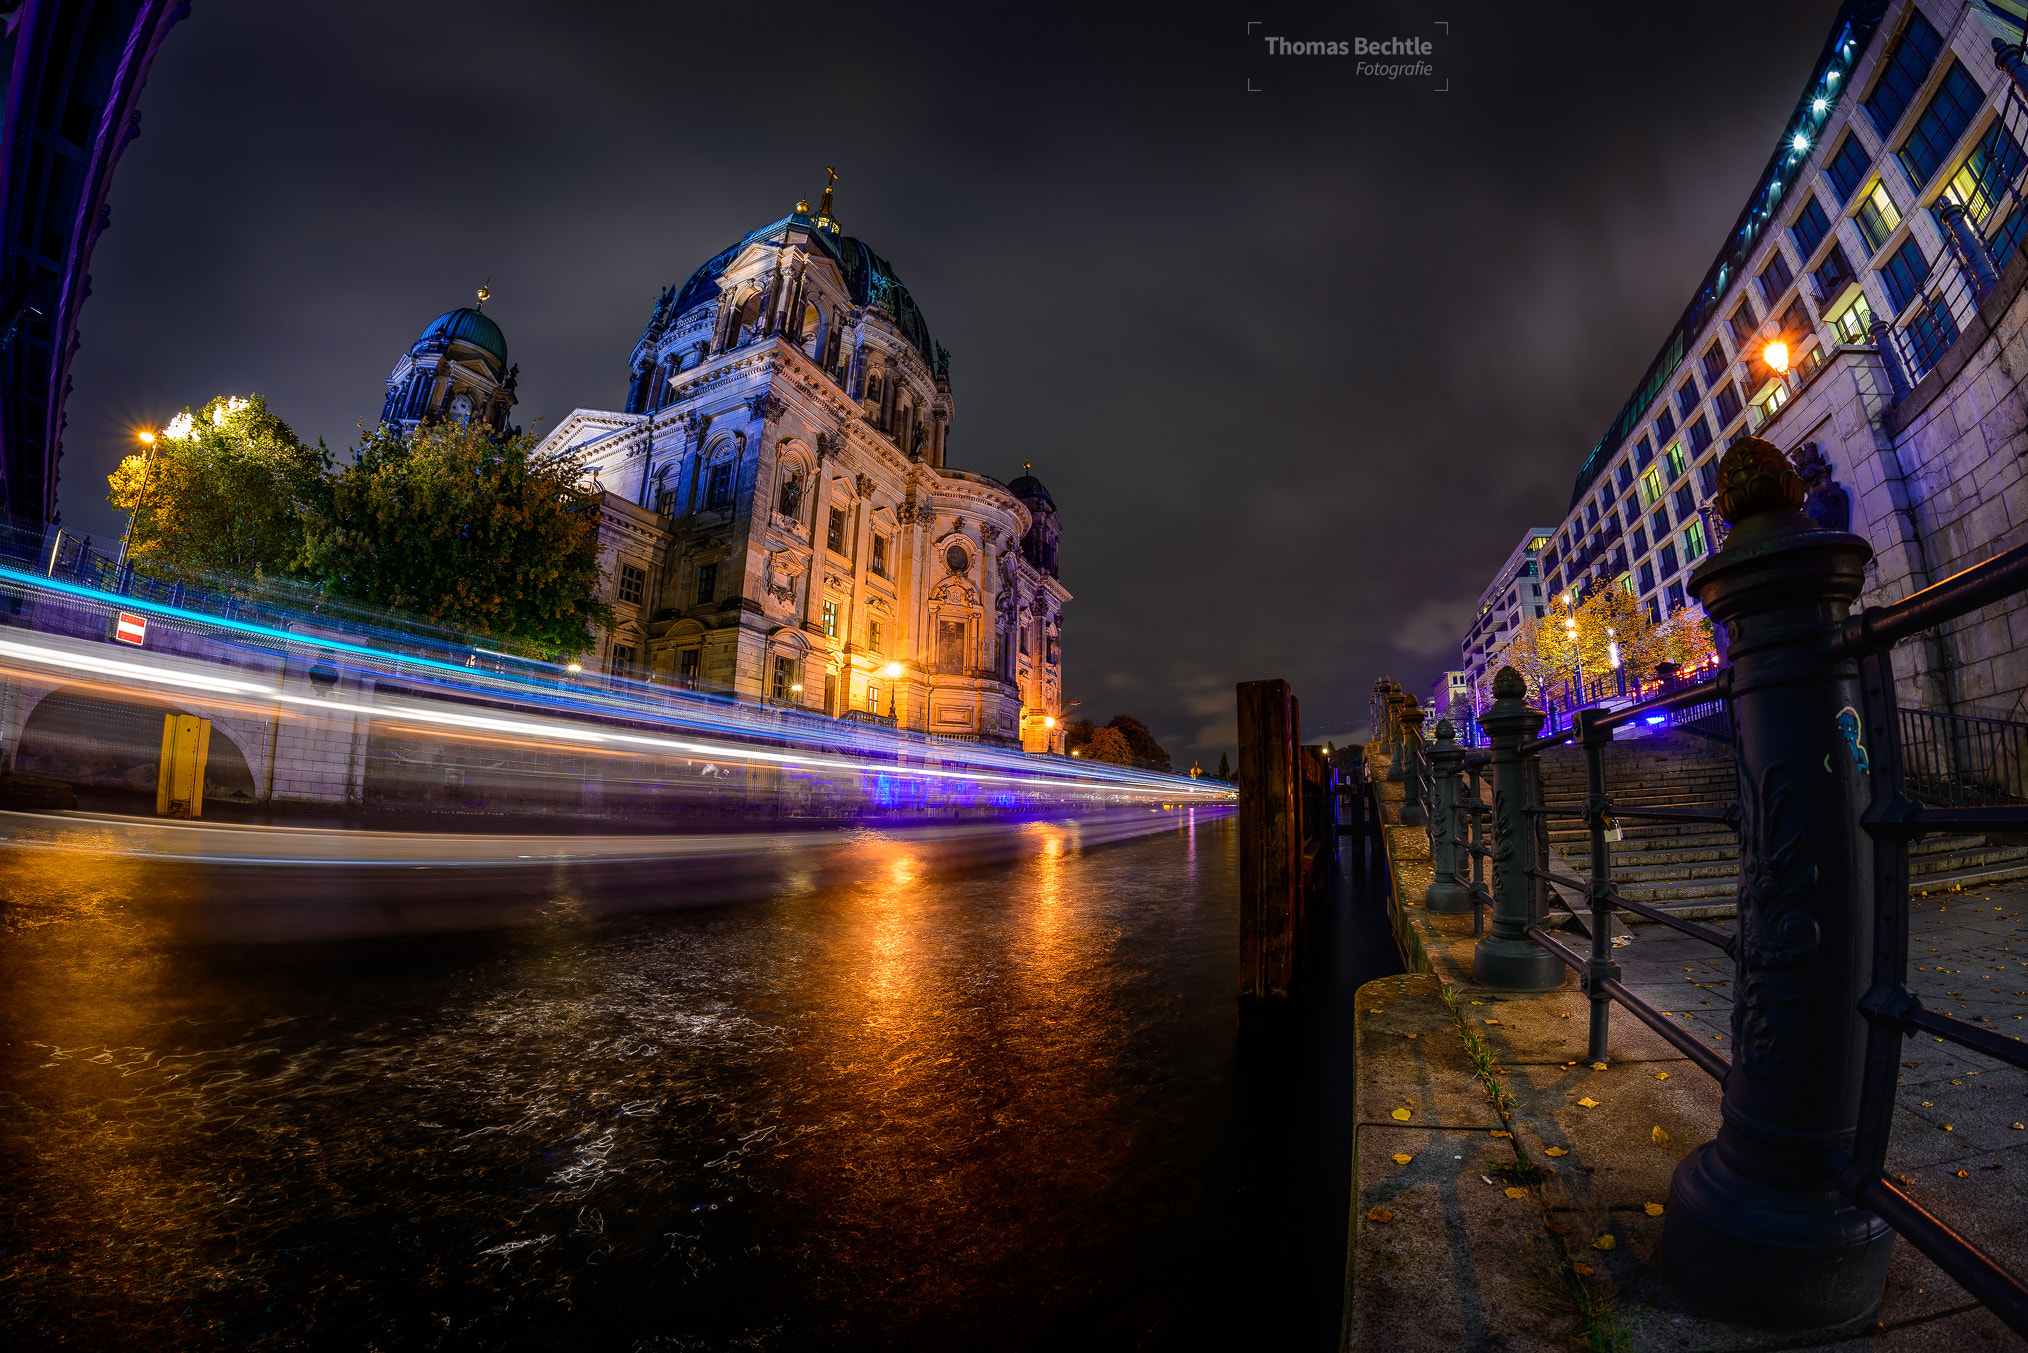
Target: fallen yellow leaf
x=1517 y=1193
x=1478 y=1002
x=1652 y=1209
x=1555 y=1151
x=1583 y=1270
x=1947 y=1127
x=1402 y=1114
x=2019 y=1128
x=1410 y=1035
x=1564 y=1015
x=1372 y=1011
x=1659 y=1137
x=1400 y=1159
x=1588 y=1103
x=1498 y=1133
x=1964 y=1174
x=1661 y=1075
x=1604 y=1243
x=1598 y=1066
x=1492 y=1021
x=1379 y=1214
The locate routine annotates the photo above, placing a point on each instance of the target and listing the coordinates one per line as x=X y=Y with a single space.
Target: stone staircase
x=1691 y=869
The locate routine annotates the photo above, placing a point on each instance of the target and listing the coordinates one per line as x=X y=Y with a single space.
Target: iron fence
x=1922 y=772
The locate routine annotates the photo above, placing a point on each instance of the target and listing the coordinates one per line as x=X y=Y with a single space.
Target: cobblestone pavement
x=1959 y=1144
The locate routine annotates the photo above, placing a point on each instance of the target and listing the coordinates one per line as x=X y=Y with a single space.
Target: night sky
x=1299 y=366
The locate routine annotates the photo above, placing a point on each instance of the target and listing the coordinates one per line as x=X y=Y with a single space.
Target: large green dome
x=465 y=325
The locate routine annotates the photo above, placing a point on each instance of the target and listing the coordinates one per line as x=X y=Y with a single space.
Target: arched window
x=747 y=318
x=811 y=331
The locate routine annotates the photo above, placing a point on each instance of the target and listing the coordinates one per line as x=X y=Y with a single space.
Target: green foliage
x=1109 y=745
x=1140 y=742
x=1076 y=733
x=225 y=490
x=470 y=532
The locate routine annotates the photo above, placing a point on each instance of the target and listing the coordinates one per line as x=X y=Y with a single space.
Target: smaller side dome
x=1039 y=545
x=1029 y=490
x=464 y=325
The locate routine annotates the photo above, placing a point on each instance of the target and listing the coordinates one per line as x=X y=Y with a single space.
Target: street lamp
x=147 y=440
x=892 y=672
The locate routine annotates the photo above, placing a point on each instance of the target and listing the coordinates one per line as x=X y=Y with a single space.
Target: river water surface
x=930 y=1104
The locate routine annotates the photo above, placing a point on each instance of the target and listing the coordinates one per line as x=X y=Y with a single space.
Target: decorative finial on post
x=485 y=295
x=1754 y=479
x=1508 y=685
x=824 y=221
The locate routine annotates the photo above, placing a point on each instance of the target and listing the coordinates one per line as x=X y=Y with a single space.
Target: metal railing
x=1809 y=846
x=1963 y=761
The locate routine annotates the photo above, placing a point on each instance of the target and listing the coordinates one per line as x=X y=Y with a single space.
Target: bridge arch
x=95 y=741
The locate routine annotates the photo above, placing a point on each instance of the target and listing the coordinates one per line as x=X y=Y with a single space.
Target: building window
x=1835 y=273
x=2008 y=239
x=623 y=659
x=1639 y=542
x=1714 y=364
x=1981 y=181
x=784 y=678
x=1936 y=132
x=633 y=583
x=1665 y=561
x=880 y=555
x=686 y=663
x=831 y=619
x=1591 y=513
x=1726 y=404
x=1742 y=323
x=1931 y=329
x=1693 y=542
x=1654 y=611
x=1686 y=502
x=1775 y=278
x=1854 y=322
x=1676 y=601
x=1658 y=523
x=1676 y=463
x=1686 y=398
x=1809 y=228
x=707 y=584
x=872 y=698
x=1847 y=169
x=1647 y=576
x=1902 y=73
x=718 y=493
x=1707 y=477
x=1877 y=218
x=1623 y=475
x=1644 y=451
x=873 y=636
x=1772 y=405
x=834 y=539
x=1903 y=272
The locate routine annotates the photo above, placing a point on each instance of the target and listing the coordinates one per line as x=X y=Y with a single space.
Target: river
x=923 y=1101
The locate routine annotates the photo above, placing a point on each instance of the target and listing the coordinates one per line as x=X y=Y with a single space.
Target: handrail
x=1881 y=627
x=1703 y=692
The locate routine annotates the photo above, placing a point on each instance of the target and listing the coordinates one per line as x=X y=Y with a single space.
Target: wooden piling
x=1270 y=841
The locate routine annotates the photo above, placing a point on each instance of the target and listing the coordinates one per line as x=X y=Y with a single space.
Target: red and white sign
x=133 y=629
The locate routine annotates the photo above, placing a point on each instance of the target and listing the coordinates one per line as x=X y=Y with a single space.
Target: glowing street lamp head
x=575 y=667
x=1048 y=721
x=146 y=438
x=891 y=671
x=1776 y=355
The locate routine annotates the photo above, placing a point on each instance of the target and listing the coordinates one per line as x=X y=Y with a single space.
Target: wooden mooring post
x=1270 y=841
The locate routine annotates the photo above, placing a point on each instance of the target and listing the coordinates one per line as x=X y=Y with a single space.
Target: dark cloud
x=1299 y=366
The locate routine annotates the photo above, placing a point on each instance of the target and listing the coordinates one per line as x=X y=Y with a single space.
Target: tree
x=1109 y=745
x=469 y=531
x=1076 y=734
x=225 y=490
x=1613 y=616
x=1538 y=651
x=1224 y=771
x=1685 y=637
x=1139 y=740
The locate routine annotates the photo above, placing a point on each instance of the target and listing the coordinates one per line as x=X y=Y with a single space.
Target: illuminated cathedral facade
x=780 y=522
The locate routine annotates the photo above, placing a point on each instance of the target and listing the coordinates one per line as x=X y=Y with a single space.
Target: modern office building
x=1514 y=595
x=1865 y=313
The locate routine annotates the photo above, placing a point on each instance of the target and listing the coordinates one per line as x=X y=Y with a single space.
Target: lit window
x=873 y=636
x=1693 y=541
x=831 y=619
x=784 y=677
x=1854 y=323
x=872 y=697
x=1676 y=462
x=1877 y=217
x=880 y=555
x=1981 y=181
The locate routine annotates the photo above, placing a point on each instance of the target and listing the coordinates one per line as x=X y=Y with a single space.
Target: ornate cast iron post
x=1394 y=767
x=1598 y=810
x=1756 y=1229
x=1506 y=958
x=1411 y=762
x=1446 y=891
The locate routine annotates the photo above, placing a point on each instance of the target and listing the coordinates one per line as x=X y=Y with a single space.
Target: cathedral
x=780 y=524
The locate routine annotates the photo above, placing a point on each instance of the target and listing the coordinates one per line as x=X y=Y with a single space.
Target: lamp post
x=891 y=674
x=147 y=440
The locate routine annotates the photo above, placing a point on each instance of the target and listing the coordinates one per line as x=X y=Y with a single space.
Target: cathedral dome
x=1029 y=490
x=870 y=278
x=464 y=325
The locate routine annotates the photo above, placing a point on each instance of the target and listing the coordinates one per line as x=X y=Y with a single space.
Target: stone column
x=1890 y=360
x=820 y=523
x=1757 y=1230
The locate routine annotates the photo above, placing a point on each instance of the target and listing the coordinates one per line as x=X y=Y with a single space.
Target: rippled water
x=938 y=1105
